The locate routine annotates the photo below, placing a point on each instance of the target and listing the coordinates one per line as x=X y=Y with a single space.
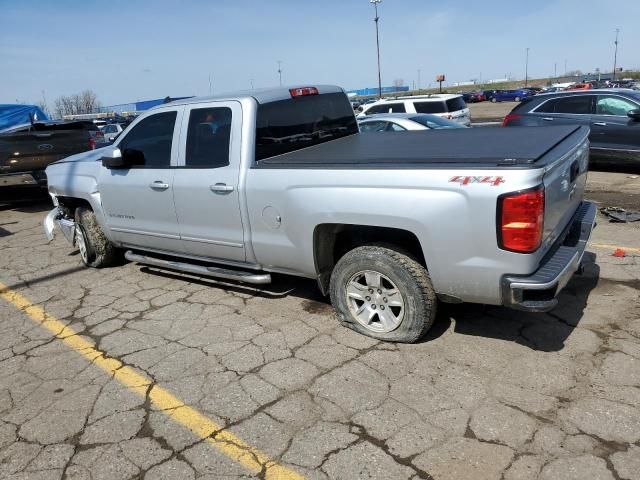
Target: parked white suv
x=449 y=106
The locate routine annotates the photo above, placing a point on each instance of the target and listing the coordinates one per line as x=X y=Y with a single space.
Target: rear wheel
x=517 y=99
x=383 y=293
x=493 y=100
x=95 y=248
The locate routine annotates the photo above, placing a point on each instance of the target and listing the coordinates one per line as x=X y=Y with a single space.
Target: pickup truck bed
x=483 y=147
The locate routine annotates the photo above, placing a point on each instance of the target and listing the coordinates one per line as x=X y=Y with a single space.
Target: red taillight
x=92 y=144
x=100 y=134
x=521 y=217
x=509 y=118
x=303 y=91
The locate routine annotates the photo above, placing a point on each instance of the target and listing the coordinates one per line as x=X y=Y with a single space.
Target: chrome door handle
x=547 y=119
x=600 y=124
x=221 y=188
x=159 y=185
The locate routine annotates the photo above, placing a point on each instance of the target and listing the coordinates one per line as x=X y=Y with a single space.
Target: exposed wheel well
x=68 y=205
x=332 y=240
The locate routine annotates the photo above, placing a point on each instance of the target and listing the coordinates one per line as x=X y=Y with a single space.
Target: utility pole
x=419 y=79
x=375 y=4
x=210 y=88
x=526 y=69
x=615 y=56
x=251 y=82
x=555 y=70
x=280 y=71
x=565 y=68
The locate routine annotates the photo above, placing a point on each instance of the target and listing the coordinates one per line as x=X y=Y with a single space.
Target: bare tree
x=76 y=104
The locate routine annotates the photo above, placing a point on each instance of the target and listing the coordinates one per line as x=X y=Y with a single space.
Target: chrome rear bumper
x=537 y=292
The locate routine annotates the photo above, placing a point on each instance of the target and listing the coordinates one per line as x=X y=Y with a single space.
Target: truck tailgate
x=31 y=151
x=564 y=184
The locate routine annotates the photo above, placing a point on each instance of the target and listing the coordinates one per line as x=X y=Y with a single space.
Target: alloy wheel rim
x=375 y=301
x=82 y=244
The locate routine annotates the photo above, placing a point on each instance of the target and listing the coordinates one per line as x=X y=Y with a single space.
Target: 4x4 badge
x=466 y=180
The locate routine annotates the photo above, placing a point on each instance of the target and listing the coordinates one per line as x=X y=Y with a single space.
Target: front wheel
x=95 y=248
x=493 y=100
x=383 y=293
x=517 y=99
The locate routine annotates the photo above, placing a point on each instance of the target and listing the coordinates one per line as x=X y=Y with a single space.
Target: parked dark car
x=612 y=114
x=473 y=97
x=26 y=151
x=509 y=95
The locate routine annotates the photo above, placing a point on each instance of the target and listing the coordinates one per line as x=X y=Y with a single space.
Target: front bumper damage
x=67 y=227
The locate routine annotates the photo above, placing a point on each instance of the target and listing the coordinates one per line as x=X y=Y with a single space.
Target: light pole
x=526 y=69
x=615 y=55
x=375 y=4
x=280 y=71
x=419 y=79
x=555 y=70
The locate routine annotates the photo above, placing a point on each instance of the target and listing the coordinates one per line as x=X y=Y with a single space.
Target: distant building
x=365 y=92
x=499 y=80
x=464 y=84
x=141 y=106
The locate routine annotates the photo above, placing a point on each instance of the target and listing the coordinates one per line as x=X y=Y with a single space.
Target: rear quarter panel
x=454 y=222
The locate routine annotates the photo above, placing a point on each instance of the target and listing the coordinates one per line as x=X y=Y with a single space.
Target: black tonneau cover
x=518 y=146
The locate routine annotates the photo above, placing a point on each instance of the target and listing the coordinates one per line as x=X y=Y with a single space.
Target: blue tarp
x=13 y=115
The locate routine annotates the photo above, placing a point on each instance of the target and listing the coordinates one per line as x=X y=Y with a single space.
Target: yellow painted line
x=615 y=247
x=202 y=427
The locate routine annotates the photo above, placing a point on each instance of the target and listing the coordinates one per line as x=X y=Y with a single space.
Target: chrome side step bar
x=241 y=276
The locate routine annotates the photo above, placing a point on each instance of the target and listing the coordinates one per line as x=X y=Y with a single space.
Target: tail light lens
x=510 y=118
x=92 y=143
x=521 y=220
x=100 y=134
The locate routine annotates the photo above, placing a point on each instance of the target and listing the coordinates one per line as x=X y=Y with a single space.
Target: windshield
x=434 y=122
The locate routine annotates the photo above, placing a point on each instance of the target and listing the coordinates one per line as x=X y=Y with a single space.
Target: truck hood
x=88 y=156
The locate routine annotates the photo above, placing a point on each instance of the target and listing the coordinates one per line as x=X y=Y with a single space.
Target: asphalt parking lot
x=133 y=372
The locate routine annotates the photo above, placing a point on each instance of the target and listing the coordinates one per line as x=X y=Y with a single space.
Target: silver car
x=399 y=122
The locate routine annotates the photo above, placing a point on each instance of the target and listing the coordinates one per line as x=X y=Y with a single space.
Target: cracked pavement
x=490 y=393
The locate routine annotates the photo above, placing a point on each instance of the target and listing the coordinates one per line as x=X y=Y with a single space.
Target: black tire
x=100 y=252
x=517 y=99
x=493 y=100
x=408 y=276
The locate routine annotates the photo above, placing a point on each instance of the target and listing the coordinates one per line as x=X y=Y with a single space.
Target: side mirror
x=114 y=159
x=634 y=114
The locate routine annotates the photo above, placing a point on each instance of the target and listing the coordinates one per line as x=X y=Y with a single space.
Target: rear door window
x=455 y=104
x=430 y=107
x=578 y=105
x=208 y=138
x=397 y=108
x=377 y=109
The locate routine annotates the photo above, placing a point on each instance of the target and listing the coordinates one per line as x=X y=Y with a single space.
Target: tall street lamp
x=615 y=55
x=375 y=4
x=280 y=71
x=526 y=69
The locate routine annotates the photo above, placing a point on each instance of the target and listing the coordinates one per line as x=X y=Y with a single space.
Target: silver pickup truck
x=281 y=180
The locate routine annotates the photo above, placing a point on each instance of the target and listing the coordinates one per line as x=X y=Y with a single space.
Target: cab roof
x=261 y=95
